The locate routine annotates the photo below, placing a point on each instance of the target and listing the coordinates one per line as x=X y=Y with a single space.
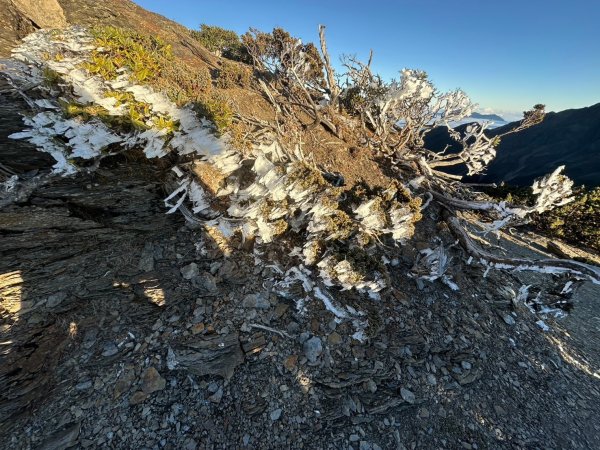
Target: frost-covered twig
x=433 y=264
x=272 y=330
x=583 y=270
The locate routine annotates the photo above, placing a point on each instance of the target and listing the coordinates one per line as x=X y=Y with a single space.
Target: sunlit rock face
x=43 y=13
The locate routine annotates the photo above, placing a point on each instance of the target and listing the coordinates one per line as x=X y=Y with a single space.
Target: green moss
x=364 y=266
x=269 y=205
x=279 y=227
x=305 y=176
x=379 y=209
x=340 y=225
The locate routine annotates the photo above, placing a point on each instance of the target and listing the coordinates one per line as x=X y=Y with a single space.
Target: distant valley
x=570 y=138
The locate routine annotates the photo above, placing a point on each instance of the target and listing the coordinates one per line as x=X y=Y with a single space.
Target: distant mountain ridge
x=570 y=138
x=492 y=117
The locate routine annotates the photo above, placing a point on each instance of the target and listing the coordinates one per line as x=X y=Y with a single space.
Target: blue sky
x=507 y=55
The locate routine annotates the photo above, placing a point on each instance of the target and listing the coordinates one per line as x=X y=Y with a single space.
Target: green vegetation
x=149 y=60
x=136 y=116
x=89 y=112
x=182 y=84
x=216 y=109
x=577 y=222
x=223 y=42
x=51 y=77
x=270 y=52
x=145 y=56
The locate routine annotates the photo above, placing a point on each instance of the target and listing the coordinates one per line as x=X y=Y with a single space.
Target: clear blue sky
x=507 y=55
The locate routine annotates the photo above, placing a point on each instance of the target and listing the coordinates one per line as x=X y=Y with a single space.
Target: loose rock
x=313 y=349
x=152 y=381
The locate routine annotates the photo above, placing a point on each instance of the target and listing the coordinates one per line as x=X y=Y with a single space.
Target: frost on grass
x=56 y=63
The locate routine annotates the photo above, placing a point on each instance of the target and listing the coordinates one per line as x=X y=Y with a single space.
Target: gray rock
x=55 y=299
x=407 y=395
x=65 y=437
x=313 y=349
x=190 y=271
x=205 y=281
x=466 y=365
x=371 y=386
x=89 y=338
x=147 y=258
x=508 y=319
x=84 y=385
x=137 y=398
x=110 y=349
x=190 y=444
x=256 y=301
x=217 y=396
x=276 y=414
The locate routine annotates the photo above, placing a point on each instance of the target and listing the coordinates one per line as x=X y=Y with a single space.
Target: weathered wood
x=592 y=273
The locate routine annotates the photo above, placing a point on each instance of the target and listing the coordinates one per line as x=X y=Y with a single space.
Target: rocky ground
x=123 y=327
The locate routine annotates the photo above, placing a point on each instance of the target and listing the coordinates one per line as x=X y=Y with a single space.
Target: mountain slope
x=493 y=117
x=21 y=17
x=124 y=328
x=570 y=138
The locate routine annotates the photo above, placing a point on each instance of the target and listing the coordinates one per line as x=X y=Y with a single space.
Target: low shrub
x=222 y=42
x=577 y=222
x=232 y=74
x=215 y=108
x=145 y=56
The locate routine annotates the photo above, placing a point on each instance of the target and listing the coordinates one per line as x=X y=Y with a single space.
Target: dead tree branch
x=587 y=271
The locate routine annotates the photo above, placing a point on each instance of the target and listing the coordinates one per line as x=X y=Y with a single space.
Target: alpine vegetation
x=98 y=93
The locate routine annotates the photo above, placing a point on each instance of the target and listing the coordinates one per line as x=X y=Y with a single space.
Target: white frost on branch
x=433 y=264
x=552 y=190
x=190 y=189
x=83 y=140
x=9 y=185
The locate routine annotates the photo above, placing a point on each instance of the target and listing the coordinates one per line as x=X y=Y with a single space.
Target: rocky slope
x=21 y=17
x=125 y=327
